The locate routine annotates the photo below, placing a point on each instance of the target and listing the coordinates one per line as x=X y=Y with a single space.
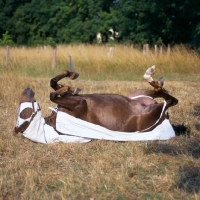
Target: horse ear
x=161 y=81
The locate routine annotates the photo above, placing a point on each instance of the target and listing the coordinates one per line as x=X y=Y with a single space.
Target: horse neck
x=171 y=101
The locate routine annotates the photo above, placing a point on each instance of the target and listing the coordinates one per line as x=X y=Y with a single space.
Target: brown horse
x=136 y=112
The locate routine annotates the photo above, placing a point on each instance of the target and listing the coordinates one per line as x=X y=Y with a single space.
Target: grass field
x=100 y=169
x=95 y=62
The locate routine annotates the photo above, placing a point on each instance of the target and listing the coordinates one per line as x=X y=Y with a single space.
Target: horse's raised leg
x=158 y=88
x=64 y=90
x=61 y=95
x=54 y=81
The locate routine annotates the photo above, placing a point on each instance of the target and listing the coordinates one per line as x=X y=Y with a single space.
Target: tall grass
x=95 y=63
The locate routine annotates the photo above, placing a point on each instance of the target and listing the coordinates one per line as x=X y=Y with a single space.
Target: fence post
x=7 y=55
x=70 y=63
x=54 y=58
x=168 y=50
x=156 y=49
x=111 y=51
x=145 y=49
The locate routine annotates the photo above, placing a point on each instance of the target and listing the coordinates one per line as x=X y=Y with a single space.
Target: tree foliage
x=32 y=22
x=6 y=39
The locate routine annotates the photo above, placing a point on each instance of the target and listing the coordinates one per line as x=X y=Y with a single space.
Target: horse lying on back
x=113 y=111
x=138 y=112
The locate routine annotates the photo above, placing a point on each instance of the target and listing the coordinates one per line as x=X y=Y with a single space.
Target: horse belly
x=117 y=115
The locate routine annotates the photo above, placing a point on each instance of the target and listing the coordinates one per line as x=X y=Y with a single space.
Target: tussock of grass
x=99 y=169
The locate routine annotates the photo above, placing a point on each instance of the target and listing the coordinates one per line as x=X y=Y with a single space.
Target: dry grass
x=100 y=169
x=94 y=63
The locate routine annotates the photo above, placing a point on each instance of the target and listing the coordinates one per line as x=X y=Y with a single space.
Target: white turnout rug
x=67 y=124
x=40 y=132
x=77 y=130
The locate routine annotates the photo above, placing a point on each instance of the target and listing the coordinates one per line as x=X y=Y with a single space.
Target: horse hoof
x=77 y=90
x=73 y=75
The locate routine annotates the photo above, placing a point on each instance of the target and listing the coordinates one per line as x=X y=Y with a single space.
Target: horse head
x=27 y=95
x=27 y=109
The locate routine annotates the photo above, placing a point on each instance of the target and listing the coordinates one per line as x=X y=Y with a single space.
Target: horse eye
x=26 y=113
